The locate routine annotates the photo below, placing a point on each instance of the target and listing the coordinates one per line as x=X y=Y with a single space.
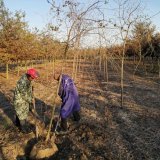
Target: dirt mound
x=43 y=150
x=17 y=147
x=12 y=150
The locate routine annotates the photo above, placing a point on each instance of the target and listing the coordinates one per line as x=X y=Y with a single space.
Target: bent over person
x=70 y=100
x=23 y=97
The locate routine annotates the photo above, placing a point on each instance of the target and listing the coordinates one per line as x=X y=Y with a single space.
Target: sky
x=153 y=7
x=38 y=15
x=37 y=11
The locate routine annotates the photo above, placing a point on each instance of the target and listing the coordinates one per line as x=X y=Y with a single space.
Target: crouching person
x=23 y=98
x=70 y=101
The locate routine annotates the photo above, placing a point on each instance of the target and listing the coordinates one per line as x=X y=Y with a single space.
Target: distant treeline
x=17 y=42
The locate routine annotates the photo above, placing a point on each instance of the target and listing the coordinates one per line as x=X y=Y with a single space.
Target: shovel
x=57 y=124
x=36 y=115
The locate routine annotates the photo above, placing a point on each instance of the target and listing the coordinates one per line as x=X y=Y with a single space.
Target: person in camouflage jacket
x=23 y=97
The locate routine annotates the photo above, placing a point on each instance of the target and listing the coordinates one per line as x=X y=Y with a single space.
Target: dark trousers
x=76 y=117
x=19 y=123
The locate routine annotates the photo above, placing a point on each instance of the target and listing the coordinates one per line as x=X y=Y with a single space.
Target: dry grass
x=106 y=130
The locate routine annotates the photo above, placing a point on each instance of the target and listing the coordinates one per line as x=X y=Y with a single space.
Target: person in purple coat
x=70 y=99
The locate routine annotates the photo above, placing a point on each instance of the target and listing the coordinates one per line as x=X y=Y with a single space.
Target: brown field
x=106 y=131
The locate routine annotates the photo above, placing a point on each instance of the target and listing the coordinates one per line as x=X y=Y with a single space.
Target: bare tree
x=128 y=14
x=78 y=19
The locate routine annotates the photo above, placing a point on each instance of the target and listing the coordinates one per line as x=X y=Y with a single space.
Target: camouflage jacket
x=23 y=91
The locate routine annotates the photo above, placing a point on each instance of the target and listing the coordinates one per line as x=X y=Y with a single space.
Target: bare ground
x=106 y=131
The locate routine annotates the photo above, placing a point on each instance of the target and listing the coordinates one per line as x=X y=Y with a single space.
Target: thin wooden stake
x=53 y=109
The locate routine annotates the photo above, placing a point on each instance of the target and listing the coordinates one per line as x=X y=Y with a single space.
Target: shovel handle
x=57 y=123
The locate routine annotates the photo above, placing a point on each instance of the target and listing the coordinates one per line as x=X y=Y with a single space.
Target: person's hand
x=33 y=101
x=32 y=105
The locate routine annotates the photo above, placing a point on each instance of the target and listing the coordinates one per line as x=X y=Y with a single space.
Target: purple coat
x=69 y=95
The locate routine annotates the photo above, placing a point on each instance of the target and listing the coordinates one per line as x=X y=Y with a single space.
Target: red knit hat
x=33 y=73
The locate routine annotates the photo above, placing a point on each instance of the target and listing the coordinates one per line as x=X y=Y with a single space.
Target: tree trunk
x=106 y=59
x=140 y=59
x=100 y=63
x=159 y=67
x=17 y=68
x=73 y=69
x=79 y=64
x=122 y=78
x=76 y=67
x=53 y=110
x=7 y=74
x=104 y=68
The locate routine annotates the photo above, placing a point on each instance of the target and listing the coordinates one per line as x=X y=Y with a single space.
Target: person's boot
x=63 y=129
x=76 y=116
